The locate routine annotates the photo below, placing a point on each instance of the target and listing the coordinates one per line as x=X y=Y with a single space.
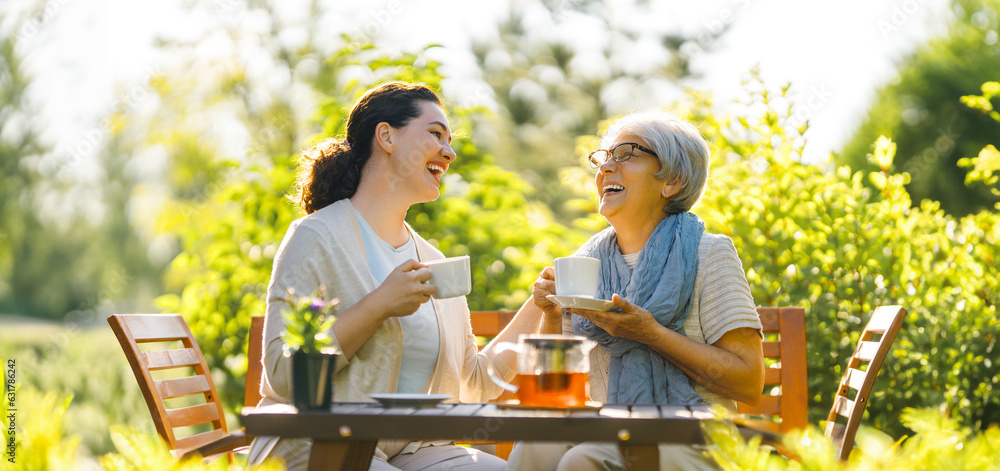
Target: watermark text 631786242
x=10 y=421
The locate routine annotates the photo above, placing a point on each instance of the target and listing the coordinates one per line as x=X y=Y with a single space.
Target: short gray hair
x=683 y=153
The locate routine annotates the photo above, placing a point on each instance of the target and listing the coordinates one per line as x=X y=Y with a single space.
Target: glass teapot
x=552 y=370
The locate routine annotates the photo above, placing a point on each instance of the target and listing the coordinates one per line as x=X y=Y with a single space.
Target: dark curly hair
x=331 y=170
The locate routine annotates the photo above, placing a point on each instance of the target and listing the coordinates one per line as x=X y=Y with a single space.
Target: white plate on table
x=409 y=400
x=582 y=302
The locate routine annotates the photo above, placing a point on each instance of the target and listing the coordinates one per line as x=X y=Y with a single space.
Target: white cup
x=577 y=276
x=451 y=276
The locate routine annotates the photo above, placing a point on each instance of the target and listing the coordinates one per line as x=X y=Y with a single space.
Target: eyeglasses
x=620 y=153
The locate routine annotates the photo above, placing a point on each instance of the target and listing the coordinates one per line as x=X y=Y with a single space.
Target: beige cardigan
x=327 y=246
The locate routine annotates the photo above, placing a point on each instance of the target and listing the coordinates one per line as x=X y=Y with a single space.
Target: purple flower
x=317 y=305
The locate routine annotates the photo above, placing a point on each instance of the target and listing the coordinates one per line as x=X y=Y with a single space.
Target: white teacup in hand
x=577 y=276
x=451 y=276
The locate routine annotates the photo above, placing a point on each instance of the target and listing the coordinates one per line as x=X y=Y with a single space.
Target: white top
x=631 y=259
x=421 y=340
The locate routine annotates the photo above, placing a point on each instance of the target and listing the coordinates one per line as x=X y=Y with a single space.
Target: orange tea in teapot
x=552 y=389
x=552 y=370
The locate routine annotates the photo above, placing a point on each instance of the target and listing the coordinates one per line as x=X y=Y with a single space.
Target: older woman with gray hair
x=687 y=331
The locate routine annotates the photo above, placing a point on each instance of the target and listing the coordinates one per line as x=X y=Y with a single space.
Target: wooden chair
x=134 y=330
x=859 y=377
x=788 y=408
x=255 y=358
x=852 y=394
x=489 y=323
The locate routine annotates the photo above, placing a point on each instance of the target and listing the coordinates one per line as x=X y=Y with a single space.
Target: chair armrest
x=232 y=441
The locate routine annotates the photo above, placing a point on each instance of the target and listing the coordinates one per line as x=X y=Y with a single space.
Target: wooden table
x=345 y=436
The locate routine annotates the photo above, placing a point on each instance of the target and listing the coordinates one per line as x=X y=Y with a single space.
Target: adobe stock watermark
x=92 y=139
x=10 y=420
x=480 y=96
x=380 y=19
x=223 y=8
x=486 y=431
x=562 y=8
x=899 y=16
x=712 y=28
x=924 y=161
x=32 y=26
x=818 y=97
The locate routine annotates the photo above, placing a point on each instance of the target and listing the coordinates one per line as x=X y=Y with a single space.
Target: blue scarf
x=662 y=283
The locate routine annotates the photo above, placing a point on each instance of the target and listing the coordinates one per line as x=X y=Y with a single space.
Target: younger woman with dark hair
x=356 y=244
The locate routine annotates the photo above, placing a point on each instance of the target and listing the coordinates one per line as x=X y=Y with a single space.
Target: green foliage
x=53 y=258
x=982 y=167
x=141 y=451
x=87 y=364
x=921 y=110
x=938 y=443
x=41 y=439
x=229 y=243
x=825 y=240
x=545 y=97
x=731 y=453
x=308 y=321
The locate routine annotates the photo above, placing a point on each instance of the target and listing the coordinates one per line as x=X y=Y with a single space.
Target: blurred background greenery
x=177 y=197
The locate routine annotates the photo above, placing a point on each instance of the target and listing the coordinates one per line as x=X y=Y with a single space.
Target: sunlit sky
x=83 y=53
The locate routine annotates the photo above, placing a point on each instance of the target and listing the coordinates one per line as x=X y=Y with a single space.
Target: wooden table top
x=632 y=425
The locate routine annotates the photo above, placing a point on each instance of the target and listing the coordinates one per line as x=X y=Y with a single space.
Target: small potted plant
x=308 y=343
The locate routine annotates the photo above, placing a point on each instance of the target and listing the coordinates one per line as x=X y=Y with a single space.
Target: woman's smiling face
x=629 y=189
x=422 y=152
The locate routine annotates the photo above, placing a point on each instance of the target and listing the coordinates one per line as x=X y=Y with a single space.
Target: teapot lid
x=554 y=341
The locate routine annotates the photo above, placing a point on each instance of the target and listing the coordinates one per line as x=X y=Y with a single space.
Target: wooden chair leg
x=328 y=455
x=504 y=449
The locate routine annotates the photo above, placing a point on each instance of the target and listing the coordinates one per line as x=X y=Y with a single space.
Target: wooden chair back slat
x=194 y=415
x=489 y=323
x=771 y=349
x=769 y=319
x=866 y=351
x=157 y=329
x=135 y=329
x=842 y=406
x=180 y=387
x=855 y=379
x=163 y=359
x=772 y=376
x=885 y=321
x=769 y=405
x=255 y=358
x=790 y=408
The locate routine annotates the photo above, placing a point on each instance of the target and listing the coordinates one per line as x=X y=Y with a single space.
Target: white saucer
x=582 y=302
x=409 y=400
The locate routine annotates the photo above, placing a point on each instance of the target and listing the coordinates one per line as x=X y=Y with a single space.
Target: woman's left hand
x=633 y=322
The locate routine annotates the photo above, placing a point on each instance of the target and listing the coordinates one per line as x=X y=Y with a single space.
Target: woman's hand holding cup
x=544 y=286
x=405 y=289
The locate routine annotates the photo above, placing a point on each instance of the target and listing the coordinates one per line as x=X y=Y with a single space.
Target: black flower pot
x=312 y=380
